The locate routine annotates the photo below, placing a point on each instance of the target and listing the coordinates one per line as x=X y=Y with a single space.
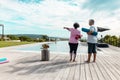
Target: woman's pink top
x=74 y=34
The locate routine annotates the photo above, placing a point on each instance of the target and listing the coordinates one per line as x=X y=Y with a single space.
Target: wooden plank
x=24 y=64
x=33 y=67
x=87 y=70
x=92 y=71
x=66 y=71
x=115 y=58
x=69 y=73
x=112 y=67
x=82 y=73
x=98 y=72
x=40 y=69
x=77 y=69
x=107 y=69
x=102 y=69
x=20 y=68
x=110 y=51
x=52 y=69
x=61 y=72
x=72 y=71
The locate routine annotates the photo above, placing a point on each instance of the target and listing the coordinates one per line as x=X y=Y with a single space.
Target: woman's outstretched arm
x=66 y=28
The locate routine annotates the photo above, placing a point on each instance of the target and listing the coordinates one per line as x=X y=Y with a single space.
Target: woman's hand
x=64 y=27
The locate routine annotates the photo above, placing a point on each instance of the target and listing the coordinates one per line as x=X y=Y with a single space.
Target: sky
x=50 y=16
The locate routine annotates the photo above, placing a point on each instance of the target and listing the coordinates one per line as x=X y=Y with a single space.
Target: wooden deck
x=107 y=67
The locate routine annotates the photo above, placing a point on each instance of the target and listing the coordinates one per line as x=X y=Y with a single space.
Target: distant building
x=5 y=37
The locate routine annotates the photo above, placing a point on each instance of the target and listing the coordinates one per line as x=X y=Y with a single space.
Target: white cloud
x=54 y=14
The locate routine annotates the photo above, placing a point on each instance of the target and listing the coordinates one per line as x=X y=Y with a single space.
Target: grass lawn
x=6 y=44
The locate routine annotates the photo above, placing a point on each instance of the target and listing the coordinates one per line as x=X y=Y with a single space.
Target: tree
x=25 y=38
x=113 y=40
x=107 y=38
x=119 y=42
x=13 y=37
x=45 y=37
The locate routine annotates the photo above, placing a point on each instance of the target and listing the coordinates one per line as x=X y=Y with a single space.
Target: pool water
x=59 y=46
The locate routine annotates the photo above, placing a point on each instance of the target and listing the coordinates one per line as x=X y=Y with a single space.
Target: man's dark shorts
x=92 y=48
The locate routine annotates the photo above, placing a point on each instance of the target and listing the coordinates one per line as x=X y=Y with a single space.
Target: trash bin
x=45 y=55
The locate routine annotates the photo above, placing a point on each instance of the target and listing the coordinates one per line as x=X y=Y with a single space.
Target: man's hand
x=89 y=33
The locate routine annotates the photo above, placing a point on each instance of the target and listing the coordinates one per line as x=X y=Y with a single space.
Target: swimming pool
x=59 y=46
